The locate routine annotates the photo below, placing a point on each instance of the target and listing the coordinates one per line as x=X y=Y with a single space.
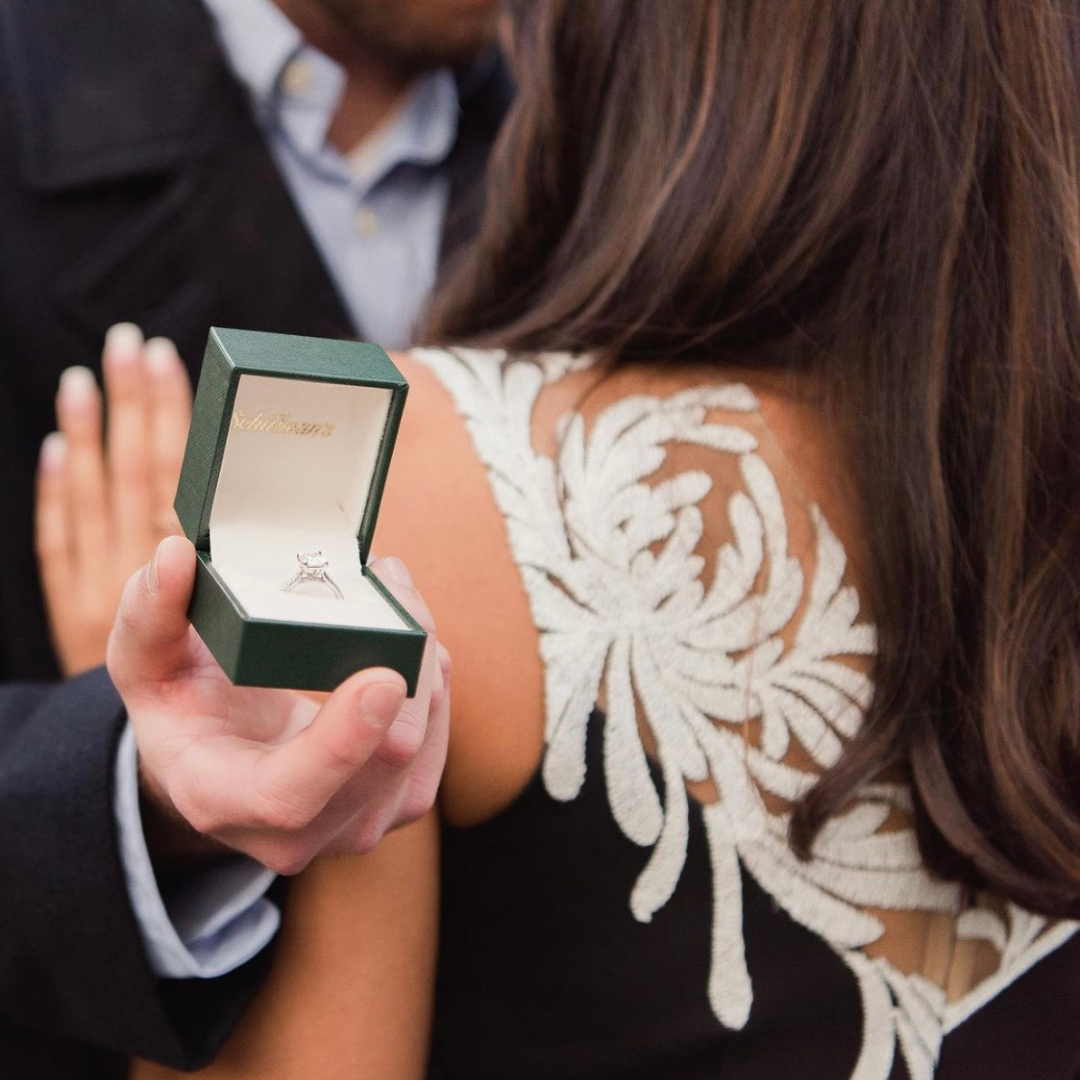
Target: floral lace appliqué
x=609 y=558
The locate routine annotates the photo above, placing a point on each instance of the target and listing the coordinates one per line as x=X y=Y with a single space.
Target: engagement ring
x=313 y=566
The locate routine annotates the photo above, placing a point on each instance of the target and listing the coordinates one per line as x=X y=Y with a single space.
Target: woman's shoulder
x=519 y=480
x=523 y=408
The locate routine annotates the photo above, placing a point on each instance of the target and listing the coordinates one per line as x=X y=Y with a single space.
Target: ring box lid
x=286 y=460
x=292 y=429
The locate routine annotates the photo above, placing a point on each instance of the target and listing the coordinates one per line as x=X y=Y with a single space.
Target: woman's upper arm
x=351 y=988
x=439 y=514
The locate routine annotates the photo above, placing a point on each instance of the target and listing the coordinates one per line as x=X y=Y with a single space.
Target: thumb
x=150 y=636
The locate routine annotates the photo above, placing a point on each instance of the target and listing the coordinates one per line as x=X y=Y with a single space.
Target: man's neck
x=374 y=85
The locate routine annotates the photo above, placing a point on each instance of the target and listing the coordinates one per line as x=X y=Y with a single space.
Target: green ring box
x=290 y=442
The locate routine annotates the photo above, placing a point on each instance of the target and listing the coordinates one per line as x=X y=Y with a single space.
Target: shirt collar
x=421 y=131
x=261 y=44
x=259 y=41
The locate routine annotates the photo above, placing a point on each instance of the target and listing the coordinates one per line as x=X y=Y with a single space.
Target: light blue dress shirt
x=376 y=216
x=217 y=922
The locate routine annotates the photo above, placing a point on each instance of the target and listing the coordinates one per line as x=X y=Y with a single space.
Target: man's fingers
x=425 y=772
x=297 y=779
x=128 y=402
x=53 y=537
x=394 y=574
x=396 y=785
x=150 y=637
x=353 y=828
x=78 y=410
x=408 y=732
x=170 y=395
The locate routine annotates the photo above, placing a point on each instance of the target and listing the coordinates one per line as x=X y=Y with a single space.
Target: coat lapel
x=146 y=124
x=104 y=90
x=220 y=243
x=136 y=103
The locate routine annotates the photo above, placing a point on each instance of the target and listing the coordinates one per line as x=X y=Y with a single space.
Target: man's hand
x=102 y=506
x=270 y=772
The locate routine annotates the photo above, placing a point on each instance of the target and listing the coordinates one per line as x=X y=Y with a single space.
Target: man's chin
x=420 y=34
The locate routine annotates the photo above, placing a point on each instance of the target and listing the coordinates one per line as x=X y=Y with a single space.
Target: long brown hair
x=884 y=194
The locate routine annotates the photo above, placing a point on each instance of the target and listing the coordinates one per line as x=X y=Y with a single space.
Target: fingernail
x=78 y=384
x=153 y=584
x=379 y=704
x=393 y=571
x=123 y=340
x=161 y=357
x=53 y=452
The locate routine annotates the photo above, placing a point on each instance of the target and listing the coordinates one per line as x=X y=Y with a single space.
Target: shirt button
x=297 y=77
x=366 y=222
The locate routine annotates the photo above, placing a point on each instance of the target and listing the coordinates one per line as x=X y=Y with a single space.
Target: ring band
x=313 y=566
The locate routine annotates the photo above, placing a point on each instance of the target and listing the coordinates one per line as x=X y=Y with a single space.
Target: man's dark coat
x=134 y=186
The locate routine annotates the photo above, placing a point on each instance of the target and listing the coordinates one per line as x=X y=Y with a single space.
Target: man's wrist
x=175 y=846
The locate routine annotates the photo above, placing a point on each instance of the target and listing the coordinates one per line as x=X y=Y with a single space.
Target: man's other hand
x=104 y=499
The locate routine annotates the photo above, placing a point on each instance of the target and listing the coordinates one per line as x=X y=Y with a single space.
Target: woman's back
x=619 y=896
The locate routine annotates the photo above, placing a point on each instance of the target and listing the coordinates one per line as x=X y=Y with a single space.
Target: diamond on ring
x=313 y=568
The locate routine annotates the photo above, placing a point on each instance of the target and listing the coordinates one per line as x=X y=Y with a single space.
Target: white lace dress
x=705 y=658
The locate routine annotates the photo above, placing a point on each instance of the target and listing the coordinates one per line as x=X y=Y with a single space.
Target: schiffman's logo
x=279 y=424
